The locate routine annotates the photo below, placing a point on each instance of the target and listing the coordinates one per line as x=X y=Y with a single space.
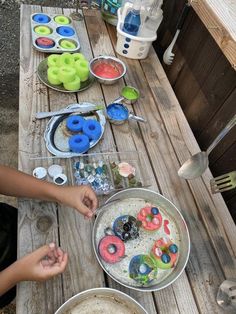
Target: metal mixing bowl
x=115 y=62
x=172 y=212
x=87 y=296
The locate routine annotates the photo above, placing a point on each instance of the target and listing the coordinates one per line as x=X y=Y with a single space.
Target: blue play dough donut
x=65 y=31
x=79 y=143
x=75 y=123
x=142 y=269
x=92 y=128
x=41 y=18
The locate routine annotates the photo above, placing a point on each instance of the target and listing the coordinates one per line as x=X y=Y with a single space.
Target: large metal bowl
x=175 y=215
x=115 y=62
x=85 y=300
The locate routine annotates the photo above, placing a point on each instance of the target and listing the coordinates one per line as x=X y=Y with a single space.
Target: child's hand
x=42 y=264
x=81 y=198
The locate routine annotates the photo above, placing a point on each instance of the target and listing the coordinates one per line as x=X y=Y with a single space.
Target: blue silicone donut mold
x=79 y=143
x=92 y=128
x=41 y=18
x=65 y=31
x=75 y=123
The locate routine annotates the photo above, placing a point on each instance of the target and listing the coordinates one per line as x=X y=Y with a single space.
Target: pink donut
x=165 y=253
x=150 y=217
x=111 y=248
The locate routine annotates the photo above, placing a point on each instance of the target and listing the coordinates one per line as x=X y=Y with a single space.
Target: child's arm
x=19 y=184
x=34 y=266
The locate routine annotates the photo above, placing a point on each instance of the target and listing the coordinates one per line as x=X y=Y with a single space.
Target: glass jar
x=109 y=10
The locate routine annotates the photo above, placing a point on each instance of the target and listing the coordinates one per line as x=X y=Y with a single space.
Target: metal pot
x=93 y=301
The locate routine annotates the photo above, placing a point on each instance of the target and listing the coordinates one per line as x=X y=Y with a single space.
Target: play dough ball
x=73 y=85
x=78 y=56
x=66 y=74
x=82 y=69
x=67 y=44
x=42 y=30
x=53 y=60
x=61 y=19
x=66 y=59
x=53 y=76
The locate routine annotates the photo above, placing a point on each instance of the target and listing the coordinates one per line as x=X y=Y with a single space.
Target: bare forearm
x=18 y=184
x=9 y=277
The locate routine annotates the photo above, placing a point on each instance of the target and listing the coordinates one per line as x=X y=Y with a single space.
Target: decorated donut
x=150 y=217
x=165 y=253
x=65 y=31
x=75 y=123
x=79 y=143
x=111 y=249
x=142 y=269
x=92 y=128
x=126 y=227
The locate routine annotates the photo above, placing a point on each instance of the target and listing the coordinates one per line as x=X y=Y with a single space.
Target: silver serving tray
x=42 y=75
x=170 y=209
x=57 y=140
x=118 y=298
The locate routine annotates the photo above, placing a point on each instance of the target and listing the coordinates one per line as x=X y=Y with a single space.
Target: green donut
x=61 y=19
x=66 y=74
x=67 y=44
x=52 y=73
x=82 y=69
x=66 y=59
x=42 y=30
x=53 y=60
x=73 y=85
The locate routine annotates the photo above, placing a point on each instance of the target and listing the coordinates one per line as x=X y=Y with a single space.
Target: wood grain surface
x=166 y=141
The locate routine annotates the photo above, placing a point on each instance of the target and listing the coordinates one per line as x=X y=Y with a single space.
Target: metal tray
x=42 y=75
x=56 y=137
x=54 y=35
x=125 y=202
x=92 y=301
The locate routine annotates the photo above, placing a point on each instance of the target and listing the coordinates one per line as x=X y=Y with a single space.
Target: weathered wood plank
x=122 y=142
x=181 y=135
x=33 y=296
x=166 y=160
x=219 y=17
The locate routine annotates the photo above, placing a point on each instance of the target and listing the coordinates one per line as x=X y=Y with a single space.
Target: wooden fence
x=205 y=85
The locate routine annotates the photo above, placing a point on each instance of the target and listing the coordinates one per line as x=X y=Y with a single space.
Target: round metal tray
x=94 y=301
x=42 y=75
x=179 y=233
x=56 y=136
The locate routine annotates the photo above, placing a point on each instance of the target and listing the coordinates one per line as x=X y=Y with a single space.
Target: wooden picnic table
x=166 y=141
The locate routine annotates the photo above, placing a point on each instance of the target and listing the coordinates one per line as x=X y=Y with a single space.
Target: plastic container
x=109 y=10
x=132 y=19
x=129 y=46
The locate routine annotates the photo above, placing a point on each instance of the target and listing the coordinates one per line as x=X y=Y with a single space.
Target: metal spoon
x=197 y=164
x=226 y=296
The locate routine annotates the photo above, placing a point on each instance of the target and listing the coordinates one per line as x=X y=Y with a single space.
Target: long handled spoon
x=197 y=164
